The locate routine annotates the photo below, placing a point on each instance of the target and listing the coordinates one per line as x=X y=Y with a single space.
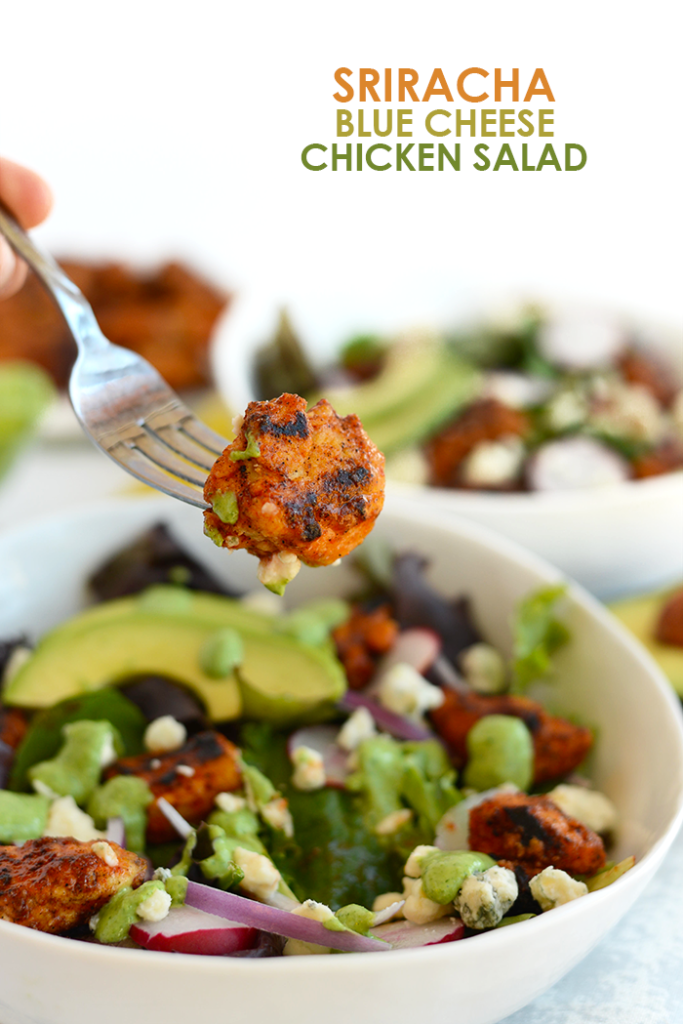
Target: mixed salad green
x=323 y=779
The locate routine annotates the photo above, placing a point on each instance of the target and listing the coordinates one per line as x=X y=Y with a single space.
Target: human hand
x=29 y=198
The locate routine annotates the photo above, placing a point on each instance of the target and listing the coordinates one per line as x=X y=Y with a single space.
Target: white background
x=170 y=128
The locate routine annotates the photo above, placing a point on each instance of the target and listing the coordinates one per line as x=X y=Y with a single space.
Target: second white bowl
x=616 y=540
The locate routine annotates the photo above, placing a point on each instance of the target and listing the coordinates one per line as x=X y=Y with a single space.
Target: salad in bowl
x=405 y=760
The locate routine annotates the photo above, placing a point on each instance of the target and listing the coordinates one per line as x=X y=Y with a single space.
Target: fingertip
x=25 y=193
x=42 y=198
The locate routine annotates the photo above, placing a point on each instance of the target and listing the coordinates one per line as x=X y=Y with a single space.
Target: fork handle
x=73 y=305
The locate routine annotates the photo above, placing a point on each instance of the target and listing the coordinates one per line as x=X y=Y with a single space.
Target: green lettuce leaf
x=538 y=633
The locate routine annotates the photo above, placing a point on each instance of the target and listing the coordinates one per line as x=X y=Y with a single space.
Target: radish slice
x=575 y=463
x=406 y=935
x=282 y=902
x=444 y=674
x=581 y=339
x=396 y=725
x=187 y=930
x=323 y=739
x=116 y=831
x=453 y=831
x=279 y=922
x=418 y=647
x=386 y=915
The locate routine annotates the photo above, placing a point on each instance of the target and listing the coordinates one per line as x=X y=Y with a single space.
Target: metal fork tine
x=166 y=459
x=179 y=442
x=141 y=467
x=123 y=404
x=198 y=431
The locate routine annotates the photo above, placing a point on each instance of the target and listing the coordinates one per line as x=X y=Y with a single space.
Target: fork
x=124 y=406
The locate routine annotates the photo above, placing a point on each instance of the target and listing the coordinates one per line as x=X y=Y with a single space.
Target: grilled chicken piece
x=188 y=778
x=13 y=726
x=670 y=624
x=665 y=458
x=533 y=832
x=308 y=484
x=361 y=640
x=485 y=420
x=166 y=315
x=650 y=373
x=559 y=745
x=56 y=884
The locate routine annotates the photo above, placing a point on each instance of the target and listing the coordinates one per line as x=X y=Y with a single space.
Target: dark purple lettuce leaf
x=153 y=558
x=416 y=603
x=156 y=696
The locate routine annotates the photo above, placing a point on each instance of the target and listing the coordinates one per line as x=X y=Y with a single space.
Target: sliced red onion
x=182 y=827
x=406 y=935
x=280 y=922
x=116 y=831
x=323 y=739
x=396 y=725
x=386 y=915
x=418 y=647
x=187 y=930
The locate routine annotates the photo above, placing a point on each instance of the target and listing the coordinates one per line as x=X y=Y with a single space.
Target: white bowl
x=615 y=540
x=603 y=675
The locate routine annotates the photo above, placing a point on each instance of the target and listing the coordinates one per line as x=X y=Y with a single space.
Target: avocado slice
x=454 y=385
x=640 y=615
x=423 y=384
x=281 y=676
x=169 y=600
x=410 y=364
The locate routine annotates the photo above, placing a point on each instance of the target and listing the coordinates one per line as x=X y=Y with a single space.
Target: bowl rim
x=239 y=968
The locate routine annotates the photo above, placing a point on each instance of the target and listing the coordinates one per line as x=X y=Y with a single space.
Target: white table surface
x=635 y=976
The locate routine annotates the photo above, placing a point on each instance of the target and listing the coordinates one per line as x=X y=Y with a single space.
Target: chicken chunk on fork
x=294 y=486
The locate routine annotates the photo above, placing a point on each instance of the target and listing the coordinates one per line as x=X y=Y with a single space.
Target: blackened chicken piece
x=533 y=832
x=189 y=778
x=362 y=640
x=670 y=624
x=484 y=420
x=665 y=458
x=650 y=373
x=304 y=484
x=56 y=884
x=559 y=745
x=13 y=726
x=167 y=315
